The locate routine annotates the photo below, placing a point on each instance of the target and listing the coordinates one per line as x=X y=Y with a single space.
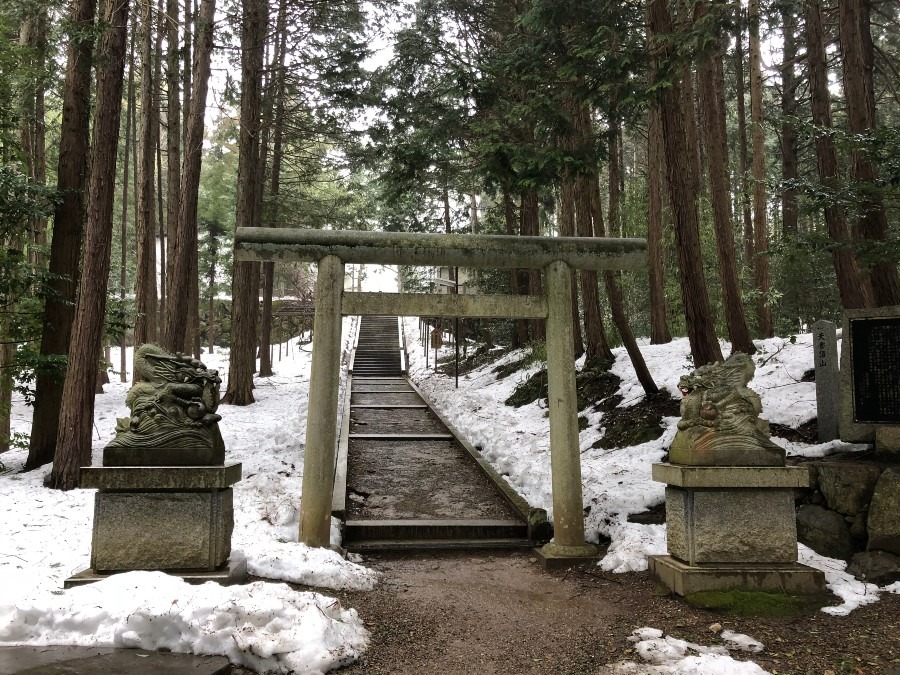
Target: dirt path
x=501 y=613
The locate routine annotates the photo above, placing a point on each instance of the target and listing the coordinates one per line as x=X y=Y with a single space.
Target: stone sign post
x=828 y=380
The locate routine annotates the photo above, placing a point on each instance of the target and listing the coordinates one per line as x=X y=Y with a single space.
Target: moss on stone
x=753 y=603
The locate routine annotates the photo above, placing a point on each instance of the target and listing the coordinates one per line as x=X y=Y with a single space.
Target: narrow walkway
x=411 y=482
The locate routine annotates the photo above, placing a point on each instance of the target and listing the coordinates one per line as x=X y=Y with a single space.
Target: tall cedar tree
x=268 y=268
x=76 y=415
x=656 y=172
x=712 y=97
x=854 y=291
x=743 y=153
x=184 y=251
x=173 y=143
x=757 y=136
x=68 y=225
x=123 y=225
x=245 y=278
x=789 y=82
x=145 y=281
x=683 y=197
x=857 y=56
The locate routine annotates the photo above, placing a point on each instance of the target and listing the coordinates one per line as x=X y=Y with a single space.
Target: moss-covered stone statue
x=720 y=424
x=173 y=418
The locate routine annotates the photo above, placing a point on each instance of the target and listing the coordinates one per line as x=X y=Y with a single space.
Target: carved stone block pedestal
x=732 y=528
x=173 y=519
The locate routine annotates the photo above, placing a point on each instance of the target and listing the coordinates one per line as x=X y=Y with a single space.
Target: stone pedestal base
x=717 y=515
x=555 y=557
x=732 y=528
x=232 y=572
x=684 y=579
x=161 y=518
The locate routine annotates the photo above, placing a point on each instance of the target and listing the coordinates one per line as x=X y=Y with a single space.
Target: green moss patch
x=640 y=423
x=753 y=603
x=530 y=390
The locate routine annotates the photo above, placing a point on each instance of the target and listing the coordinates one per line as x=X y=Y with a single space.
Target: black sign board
x=876 y=370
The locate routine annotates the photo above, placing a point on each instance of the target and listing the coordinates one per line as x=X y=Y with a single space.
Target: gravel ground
x=499 y=612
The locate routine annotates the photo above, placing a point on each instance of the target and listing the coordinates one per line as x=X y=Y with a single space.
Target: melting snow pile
x=267 y=627
x=666 y=655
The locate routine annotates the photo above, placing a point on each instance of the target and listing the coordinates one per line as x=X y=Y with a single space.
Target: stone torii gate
x=557 y=256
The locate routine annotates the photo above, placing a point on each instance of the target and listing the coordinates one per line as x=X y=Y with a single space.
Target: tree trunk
x=145 y=284
x=698 y=315
x=712 y=97
x=123 y=227
x=33 y=38
x=659 y=327
x=268 y=268
x=611 y=280
x=76 y=415
x=757 y=134
x=245 y=284
x=520 y=335
x=788 y=129
x=743 y=166
x=530 y=227
x=859 y=93
x=173 y=136
x=566 y=220
x=184 y=251
x=855 y=291
x=68 y=223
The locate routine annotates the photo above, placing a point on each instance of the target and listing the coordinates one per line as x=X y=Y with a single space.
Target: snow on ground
x=46 y=535
x=617 y=483
x=667 y=655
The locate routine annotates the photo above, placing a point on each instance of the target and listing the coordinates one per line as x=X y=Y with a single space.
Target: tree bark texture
x=520 y=335
x=33 y=38
x=566 y=220
x=245 y=277
x=614 y=293
x=788 y=130
x=68 y=225
x=530 y=227
x=859 y=94
x=698 y=315
x=173 y=134
x=77 y=412
x=184 y=251
x=145 y=282
x=123 y=225
x=743 y=154
x=712 y=97
x=855 y=291
x=757 y=134
x=656 y=171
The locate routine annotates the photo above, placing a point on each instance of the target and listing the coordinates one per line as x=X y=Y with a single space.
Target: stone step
x=433 y=530
x=385 y=545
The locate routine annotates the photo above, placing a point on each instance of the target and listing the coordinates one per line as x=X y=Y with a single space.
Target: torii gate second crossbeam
x=558 y=256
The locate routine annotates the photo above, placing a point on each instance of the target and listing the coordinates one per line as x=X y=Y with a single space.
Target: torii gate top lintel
x=460 y=250
x=558 y=256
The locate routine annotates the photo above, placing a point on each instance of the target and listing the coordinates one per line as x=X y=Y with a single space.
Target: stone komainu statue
x=720 y=422
x=173 y=410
